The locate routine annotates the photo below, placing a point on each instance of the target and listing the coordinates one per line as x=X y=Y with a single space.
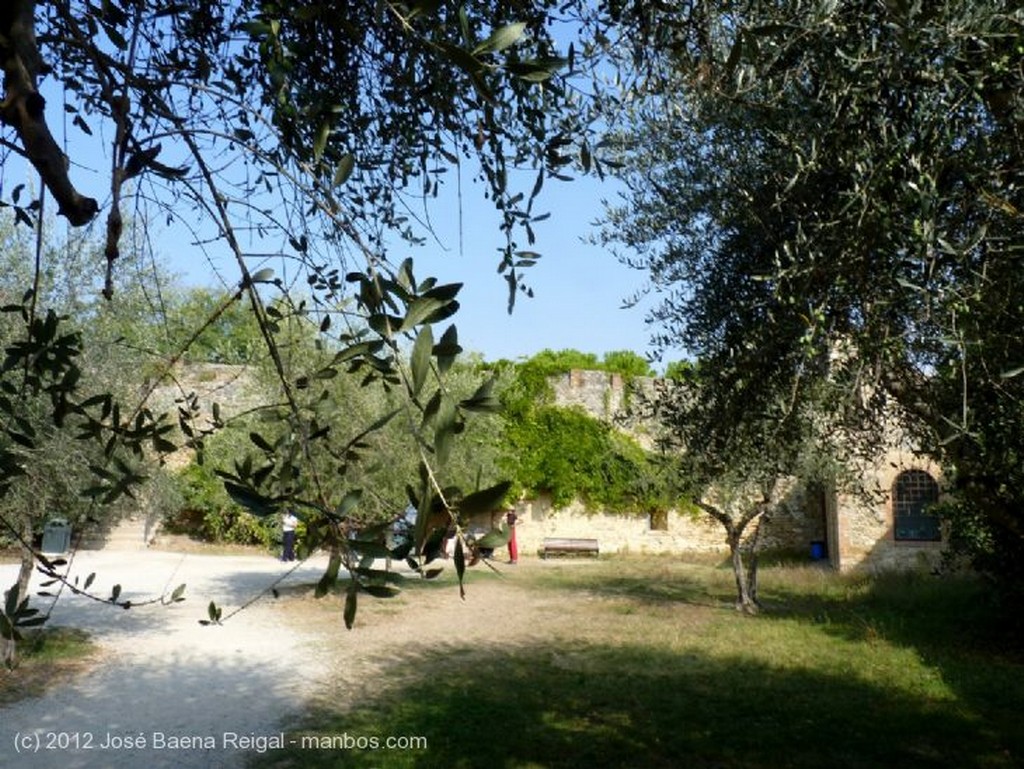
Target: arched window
x=912 y=493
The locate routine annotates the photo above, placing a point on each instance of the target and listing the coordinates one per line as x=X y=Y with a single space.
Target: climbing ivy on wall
x=569 y=454
x=530 y=380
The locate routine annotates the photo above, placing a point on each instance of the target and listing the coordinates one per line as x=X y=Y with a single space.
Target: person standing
x=288 y=525
x=513 y=547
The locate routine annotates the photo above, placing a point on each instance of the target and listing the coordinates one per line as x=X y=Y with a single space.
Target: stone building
x=882 y=527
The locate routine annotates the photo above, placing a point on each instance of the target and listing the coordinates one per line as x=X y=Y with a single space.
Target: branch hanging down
x=23 y=106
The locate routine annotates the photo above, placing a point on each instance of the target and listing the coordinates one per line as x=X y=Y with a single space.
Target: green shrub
x=571 y=455
x=209 y=514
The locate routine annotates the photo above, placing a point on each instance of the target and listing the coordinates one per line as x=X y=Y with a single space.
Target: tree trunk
x=752 y=580
x=746 y=600
x=746 y=581
x=755 y=541
x=22 y=108
x=9 y=647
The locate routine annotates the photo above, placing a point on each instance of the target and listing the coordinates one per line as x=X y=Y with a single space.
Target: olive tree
x=319 y=137
x=831 y=191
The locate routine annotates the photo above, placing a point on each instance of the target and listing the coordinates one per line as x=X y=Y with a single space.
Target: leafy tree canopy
x=302 y=132
x=834 y=191
x=312 y=132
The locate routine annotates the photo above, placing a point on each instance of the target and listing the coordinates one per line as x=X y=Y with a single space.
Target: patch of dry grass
x=46 y=658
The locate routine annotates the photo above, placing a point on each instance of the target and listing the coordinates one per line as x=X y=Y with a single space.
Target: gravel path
x=167 y=691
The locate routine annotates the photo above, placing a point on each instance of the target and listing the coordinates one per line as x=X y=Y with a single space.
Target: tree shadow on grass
x=625 y=706
x=954 y=625
x=651 y=587
x=940 y=614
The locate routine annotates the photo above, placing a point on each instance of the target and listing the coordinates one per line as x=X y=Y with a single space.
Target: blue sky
x=579 y=288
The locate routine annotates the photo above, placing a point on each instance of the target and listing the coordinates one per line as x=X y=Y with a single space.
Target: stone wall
x=599 y=393
x=857 y=529
x=609 y=397
x=232 y=388
x=790 y=529
x=615 y=532
x=613 y=399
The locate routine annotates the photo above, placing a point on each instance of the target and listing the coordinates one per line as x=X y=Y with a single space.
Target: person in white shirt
x=288 y=524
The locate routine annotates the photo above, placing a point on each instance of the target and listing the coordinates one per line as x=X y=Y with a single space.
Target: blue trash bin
x=818 y=551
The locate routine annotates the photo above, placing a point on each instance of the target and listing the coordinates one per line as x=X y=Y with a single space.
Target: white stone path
x=163 y=676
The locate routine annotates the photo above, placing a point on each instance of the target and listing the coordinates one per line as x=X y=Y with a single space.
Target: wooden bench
x=568 y=546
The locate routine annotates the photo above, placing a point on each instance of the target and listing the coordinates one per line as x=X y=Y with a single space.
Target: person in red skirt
x=513 y=547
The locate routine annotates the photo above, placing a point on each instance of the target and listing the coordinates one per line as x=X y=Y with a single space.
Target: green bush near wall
x=208 y=514
x=568 y=454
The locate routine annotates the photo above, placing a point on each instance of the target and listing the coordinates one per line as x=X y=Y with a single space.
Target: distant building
x=886 y=527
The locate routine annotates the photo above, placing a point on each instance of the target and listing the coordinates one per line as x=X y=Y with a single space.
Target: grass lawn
x=46 y=658
x=655 y=669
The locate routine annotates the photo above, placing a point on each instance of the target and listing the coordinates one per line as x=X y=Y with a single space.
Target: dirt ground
x=165 y=689
x=496 y=612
